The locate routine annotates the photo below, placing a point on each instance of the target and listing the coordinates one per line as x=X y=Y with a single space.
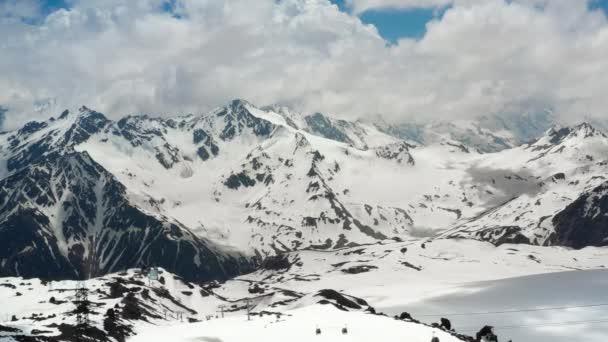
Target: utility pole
x=249 y=308
x=221 y=309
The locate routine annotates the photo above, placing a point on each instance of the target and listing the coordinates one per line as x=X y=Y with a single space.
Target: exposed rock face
x=237 y=118
x=584 y=222
x=399 y=152
x=321 y=125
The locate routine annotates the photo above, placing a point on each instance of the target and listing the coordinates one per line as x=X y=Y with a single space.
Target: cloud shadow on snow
x=498 y=186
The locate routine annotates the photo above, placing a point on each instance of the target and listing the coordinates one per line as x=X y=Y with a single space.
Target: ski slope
x=298 y=326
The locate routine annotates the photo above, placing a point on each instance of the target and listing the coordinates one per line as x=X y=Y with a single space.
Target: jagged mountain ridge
x=273 y=176
x=62 y=215
x=288 y=236
x=268 y=181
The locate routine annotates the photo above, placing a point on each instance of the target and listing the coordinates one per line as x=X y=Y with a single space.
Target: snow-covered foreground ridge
x=289 y=297
x=126 y=305
x=297 y=325
x=210 y=196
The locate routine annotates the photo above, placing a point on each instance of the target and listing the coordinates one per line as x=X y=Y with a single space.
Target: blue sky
x=52 y=5
x=395 y=24
x=601 y=4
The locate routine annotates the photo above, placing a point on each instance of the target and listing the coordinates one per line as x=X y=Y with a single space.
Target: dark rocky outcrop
x=341 y=301
x=584 y=222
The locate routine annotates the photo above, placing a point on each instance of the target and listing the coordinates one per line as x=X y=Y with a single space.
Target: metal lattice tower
x=82 y=305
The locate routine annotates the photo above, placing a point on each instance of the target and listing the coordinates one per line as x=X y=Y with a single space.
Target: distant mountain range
x=209 y=196
x=484 y=133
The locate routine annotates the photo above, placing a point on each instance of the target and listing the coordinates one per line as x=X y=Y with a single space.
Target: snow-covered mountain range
x=304 y=219
x=486 y=133
x=210 y=196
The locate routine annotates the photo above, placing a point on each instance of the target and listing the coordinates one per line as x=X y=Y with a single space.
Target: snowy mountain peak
x=573 y=135
x=74 y=114
x=64 y=114
x=586 y=130
x=239 y=103
x=84 y=110
x=234 y=106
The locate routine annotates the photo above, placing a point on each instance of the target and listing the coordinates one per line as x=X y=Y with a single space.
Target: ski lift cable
x=515 y=310
x=549 y=324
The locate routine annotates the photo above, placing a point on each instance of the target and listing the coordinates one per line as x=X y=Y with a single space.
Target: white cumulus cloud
x=480 y=57
x=359 y=6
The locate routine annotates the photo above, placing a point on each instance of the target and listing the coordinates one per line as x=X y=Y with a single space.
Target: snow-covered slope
x=397 y=273
x=561 y=180
x=300 y=325
x=297 y=291
x=126 y=304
